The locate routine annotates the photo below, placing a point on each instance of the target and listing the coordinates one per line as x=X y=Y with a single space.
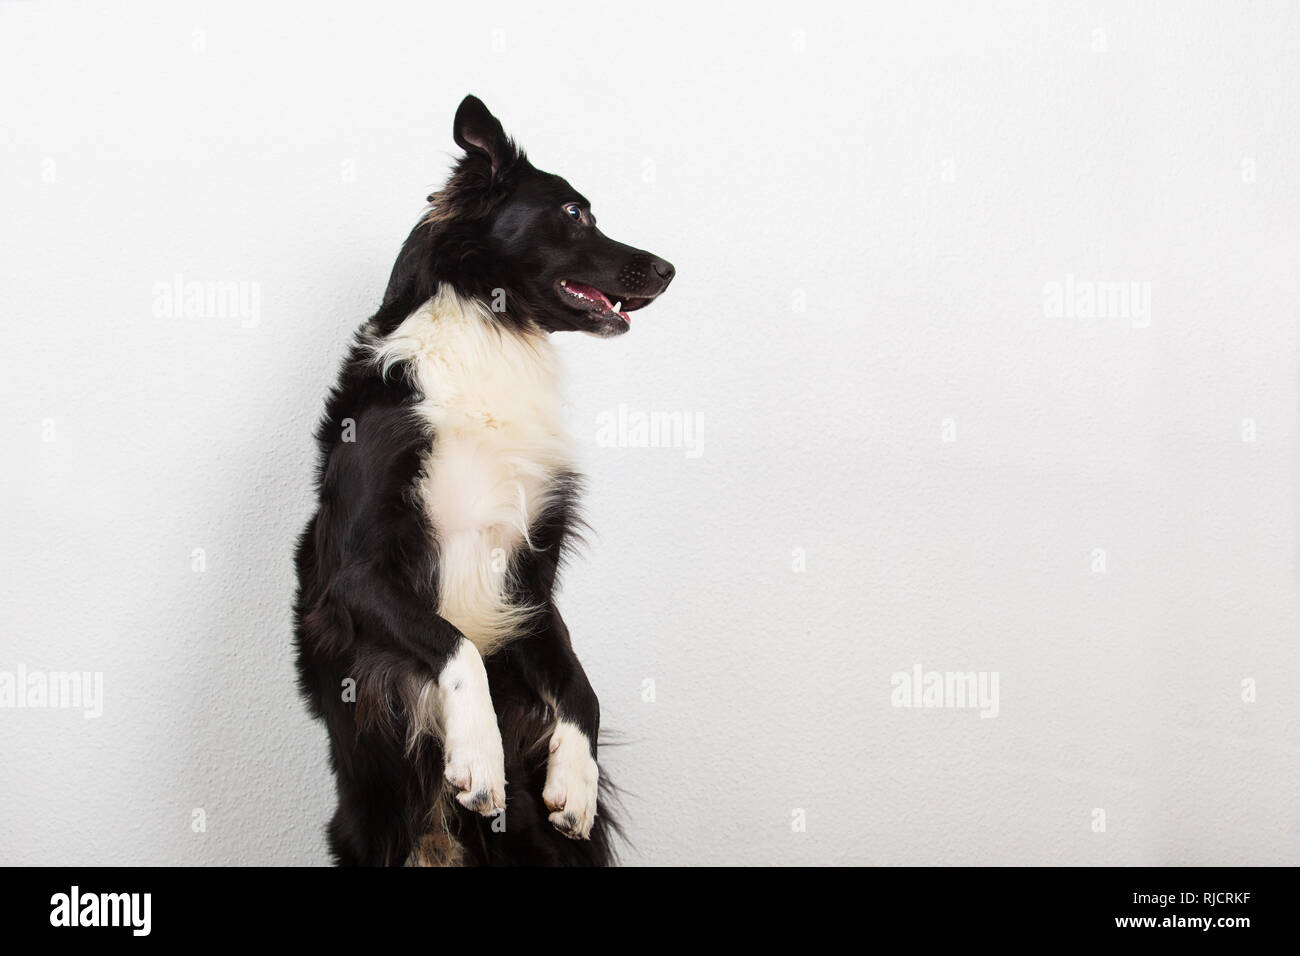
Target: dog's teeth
x=564 y=282
x=618 y=306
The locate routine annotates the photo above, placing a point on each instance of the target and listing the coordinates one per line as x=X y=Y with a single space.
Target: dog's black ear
x=477 y=130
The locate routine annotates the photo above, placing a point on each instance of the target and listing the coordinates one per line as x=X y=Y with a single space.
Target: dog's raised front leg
x=452 y=698
x=473 y=759
x=548 y=663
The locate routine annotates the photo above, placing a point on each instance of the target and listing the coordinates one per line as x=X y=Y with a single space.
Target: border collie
x=462 y=727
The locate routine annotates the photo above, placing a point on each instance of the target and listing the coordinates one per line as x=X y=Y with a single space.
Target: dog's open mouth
x=592 y=299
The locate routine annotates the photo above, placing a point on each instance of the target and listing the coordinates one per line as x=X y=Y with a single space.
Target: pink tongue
x=594 y=294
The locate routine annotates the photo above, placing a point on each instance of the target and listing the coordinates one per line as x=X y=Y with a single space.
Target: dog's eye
x=573 y=211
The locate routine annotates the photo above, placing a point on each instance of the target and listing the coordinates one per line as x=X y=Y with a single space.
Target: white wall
x=919 y=178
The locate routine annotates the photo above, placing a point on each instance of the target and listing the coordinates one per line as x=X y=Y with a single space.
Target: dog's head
x=526 y=243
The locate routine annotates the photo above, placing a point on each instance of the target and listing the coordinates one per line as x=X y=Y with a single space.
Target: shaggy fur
x=427 y=636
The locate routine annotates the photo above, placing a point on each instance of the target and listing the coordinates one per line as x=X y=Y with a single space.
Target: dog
x=462 y=729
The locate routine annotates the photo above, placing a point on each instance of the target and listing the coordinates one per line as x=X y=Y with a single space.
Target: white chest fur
x=492 y=397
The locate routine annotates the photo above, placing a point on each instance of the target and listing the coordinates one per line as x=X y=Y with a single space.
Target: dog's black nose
x=663 y=269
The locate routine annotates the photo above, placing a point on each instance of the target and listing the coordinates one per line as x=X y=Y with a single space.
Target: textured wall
x=919 y=443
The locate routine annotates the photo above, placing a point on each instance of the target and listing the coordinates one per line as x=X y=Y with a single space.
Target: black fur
x=503 y=232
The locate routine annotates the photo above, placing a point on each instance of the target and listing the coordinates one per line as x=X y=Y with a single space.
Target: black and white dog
x=427 y=637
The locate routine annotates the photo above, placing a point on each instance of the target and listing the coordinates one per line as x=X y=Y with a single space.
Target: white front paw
x=571 y=782
x=475 y=766
x=473 y=758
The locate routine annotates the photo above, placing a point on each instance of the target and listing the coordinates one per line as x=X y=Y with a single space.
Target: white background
x=918 y=178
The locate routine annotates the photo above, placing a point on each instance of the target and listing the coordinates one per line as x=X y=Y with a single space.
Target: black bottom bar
x=1171 y=906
